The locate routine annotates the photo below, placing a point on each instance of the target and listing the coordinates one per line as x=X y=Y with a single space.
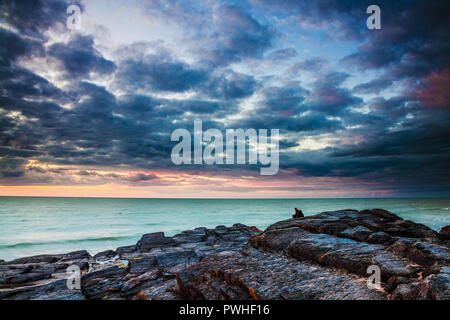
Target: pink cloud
x=435 y=92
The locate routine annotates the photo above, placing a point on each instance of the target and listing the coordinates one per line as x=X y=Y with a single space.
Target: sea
x=41 y=225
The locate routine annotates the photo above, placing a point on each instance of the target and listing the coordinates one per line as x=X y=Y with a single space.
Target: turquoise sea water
x=31 y=226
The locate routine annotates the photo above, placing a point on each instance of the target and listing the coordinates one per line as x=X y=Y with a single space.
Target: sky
x=89 y=112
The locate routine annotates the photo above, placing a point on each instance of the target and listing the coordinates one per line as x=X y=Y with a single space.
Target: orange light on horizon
x=188 y=185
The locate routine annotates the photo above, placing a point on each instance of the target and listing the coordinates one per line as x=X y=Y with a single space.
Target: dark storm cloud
x=17 y=82
x=237 y=35
x=374 y=86
x=402 y=175
x=42 y=110
x=328 y=96
x=428 y=138
x=13 y=46
x=392 y=109
x=286 y=144
x=199 y=106
x=406 y=41
x=287 y=100
x=35 y=16
x=413 y=40
x=288 y=108
x=89 y=133
x=312 y=123
x=320 y=164
x=133 y=130
x=223 y=33
x=159 y=73
x=139 y=106
x=229 y=85
x=11 y=167
x=296 y=109
x=372 y=56
x=80 y=58
x=402 y=144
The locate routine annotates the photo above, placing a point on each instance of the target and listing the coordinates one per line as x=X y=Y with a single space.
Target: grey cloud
x=79 y=58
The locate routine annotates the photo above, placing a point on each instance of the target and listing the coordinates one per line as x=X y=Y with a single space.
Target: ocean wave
x=31 y=244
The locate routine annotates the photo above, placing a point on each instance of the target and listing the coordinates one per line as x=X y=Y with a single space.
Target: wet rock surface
x=325 y=256
x=445 y=233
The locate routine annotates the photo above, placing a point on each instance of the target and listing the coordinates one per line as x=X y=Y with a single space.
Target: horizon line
x=212 y=198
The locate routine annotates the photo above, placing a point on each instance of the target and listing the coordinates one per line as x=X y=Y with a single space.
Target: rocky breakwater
x=325 y=256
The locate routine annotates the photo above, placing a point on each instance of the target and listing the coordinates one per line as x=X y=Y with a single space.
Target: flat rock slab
x=250 y=274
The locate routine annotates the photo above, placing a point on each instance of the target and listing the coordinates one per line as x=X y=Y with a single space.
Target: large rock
x=352 y=241
x=153 y=240
x=326 y=256
x=48 y=258
x=31 y=270
x=137 y=283
x=56 y=290
x=445 y=233
x=252 y=274
x=104 y=284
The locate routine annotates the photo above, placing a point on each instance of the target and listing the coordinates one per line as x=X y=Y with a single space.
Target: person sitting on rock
x=298 y=214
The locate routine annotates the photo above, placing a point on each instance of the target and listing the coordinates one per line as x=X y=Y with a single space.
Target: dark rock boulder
x=173 y=258
x=103 y=284
x=76 y=255
x=153 y=240
x=29 y=270
x=434 y=286
x=29 y=277
x=45 y=258
x=191 y=236
x=105 y=255
x=359 y=233
x=140 y=282
x=142 y=264
x=56 y=290
x=126 y=250
x=381 y=238
x=48 y=258
x=422 y=253
x=445 y=233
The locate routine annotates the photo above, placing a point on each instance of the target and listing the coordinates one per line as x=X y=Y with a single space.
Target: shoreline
x=289 y=260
